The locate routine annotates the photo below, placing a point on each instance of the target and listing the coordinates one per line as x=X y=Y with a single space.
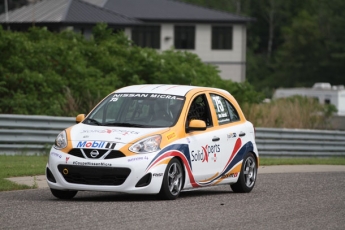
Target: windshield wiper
x=93 y=121
x=122 y=124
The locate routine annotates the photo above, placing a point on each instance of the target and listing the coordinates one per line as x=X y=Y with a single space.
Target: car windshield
x=137 y=110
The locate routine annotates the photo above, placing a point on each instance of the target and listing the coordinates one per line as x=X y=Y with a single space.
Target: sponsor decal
x=85 y=136
x=206 y=152
x=222 y=115
x=67 y=158
x=56 y=154
x=110 y=145
x=183 y=151
x=231 y=135
x=138 y=158
x=164 y=96
x=92 y=163
x=90 y=144
x=145 y=95
x=96 y=144
x=188 y=140
x=120 y=131
x=171 y=136
x=130 y=95
x=229 y=175
x=157 y=174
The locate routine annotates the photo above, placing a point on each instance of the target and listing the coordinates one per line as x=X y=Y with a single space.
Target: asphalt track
x=300 y=198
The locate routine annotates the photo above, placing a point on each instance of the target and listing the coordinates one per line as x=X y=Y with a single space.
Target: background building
x=324 y=92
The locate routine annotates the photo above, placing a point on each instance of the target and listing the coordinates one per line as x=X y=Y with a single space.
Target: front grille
x=76 y=153
x=101 y=152
x=114 y=154
x=111 y=155
x=94 y=175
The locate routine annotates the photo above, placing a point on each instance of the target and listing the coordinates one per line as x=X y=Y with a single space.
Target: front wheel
x=248 y=174
x=172 y=181
x=63 y=194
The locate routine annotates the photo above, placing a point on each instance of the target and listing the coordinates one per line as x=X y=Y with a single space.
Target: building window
x=221 y=37
x=184 y=37
x=147 y=36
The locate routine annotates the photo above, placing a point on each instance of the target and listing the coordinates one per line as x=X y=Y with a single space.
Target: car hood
x=82 y=132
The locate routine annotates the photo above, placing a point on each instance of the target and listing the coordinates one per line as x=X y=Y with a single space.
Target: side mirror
x=79 y=118
x=196 y=125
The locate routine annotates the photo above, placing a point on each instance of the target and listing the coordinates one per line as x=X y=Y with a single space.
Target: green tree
x=291 y=43
x=313 y=48
x=64 y=74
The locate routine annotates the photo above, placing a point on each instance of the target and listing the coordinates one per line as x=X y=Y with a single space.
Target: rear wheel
x=172 y=181
x=248 y=174
x=63 y=194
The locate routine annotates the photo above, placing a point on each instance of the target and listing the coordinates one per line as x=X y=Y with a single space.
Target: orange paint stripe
x=164 y=162
x=210 y=178
x=237 y=169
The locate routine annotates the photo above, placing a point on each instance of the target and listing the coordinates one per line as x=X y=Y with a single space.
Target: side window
x=200 y=110
x=233 y=113
x=225 y=111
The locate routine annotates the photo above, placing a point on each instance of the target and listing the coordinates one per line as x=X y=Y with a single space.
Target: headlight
x=147 y=145
x=61 y=141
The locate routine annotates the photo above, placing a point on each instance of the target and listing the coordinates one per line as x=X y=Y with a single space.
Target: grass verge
x=16 y=166
x=302 y=161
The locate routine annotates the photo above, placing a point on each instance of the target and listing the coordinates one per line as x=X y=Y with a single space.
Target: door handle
x=215 y=139
x=242 y=134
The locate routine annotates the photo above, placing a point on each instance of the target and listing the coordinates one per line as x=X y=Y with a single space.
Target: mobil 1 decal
x=96 y=144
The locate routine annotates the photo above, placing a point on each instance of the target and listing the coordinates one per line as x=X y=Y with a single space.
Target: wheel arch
x=257 y=159
x=183 y=168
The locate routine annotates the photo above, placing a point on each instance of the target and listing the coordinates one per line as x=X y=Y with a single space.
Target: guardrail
x=29 y=135
x=300 y=142
x=22 y=134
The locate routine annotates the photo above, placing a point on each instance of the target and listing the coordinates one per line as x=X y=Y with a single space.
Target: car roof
x=180 y=90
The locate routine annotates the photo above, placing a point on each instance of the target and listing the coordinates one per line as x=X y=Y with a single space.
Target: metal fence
x=22 y=134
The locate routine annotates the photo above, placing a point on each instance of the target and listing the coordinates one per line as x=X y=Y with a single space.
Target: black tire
x=63 y=194
x=172 y=180
x=248 y=175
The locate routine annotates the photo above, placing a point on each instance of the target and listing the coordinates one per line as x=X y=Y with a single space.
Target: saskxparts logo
x=206 y=152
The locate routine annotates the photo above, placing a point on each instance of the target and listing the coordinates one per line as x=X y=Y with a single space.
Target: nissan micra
x=156 y=139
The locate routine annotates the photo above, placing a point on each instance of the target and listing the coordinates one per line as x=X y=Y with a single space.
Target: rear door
x=231 y=130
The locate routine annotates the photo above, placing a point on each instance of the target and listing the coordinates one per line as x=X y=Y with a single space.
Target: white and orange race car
x=156 y=139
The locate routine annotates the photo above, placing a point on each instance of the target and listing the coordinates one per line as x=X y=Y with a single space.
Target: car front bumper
x=126 y=174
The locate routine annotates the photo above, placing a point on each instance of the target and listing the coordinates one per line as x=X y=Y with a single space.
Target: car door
x=203 y=145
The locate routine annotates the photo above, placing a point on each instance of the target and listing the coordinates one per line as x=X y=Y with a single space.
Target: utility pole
x=6 y=13
x=6 y=10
